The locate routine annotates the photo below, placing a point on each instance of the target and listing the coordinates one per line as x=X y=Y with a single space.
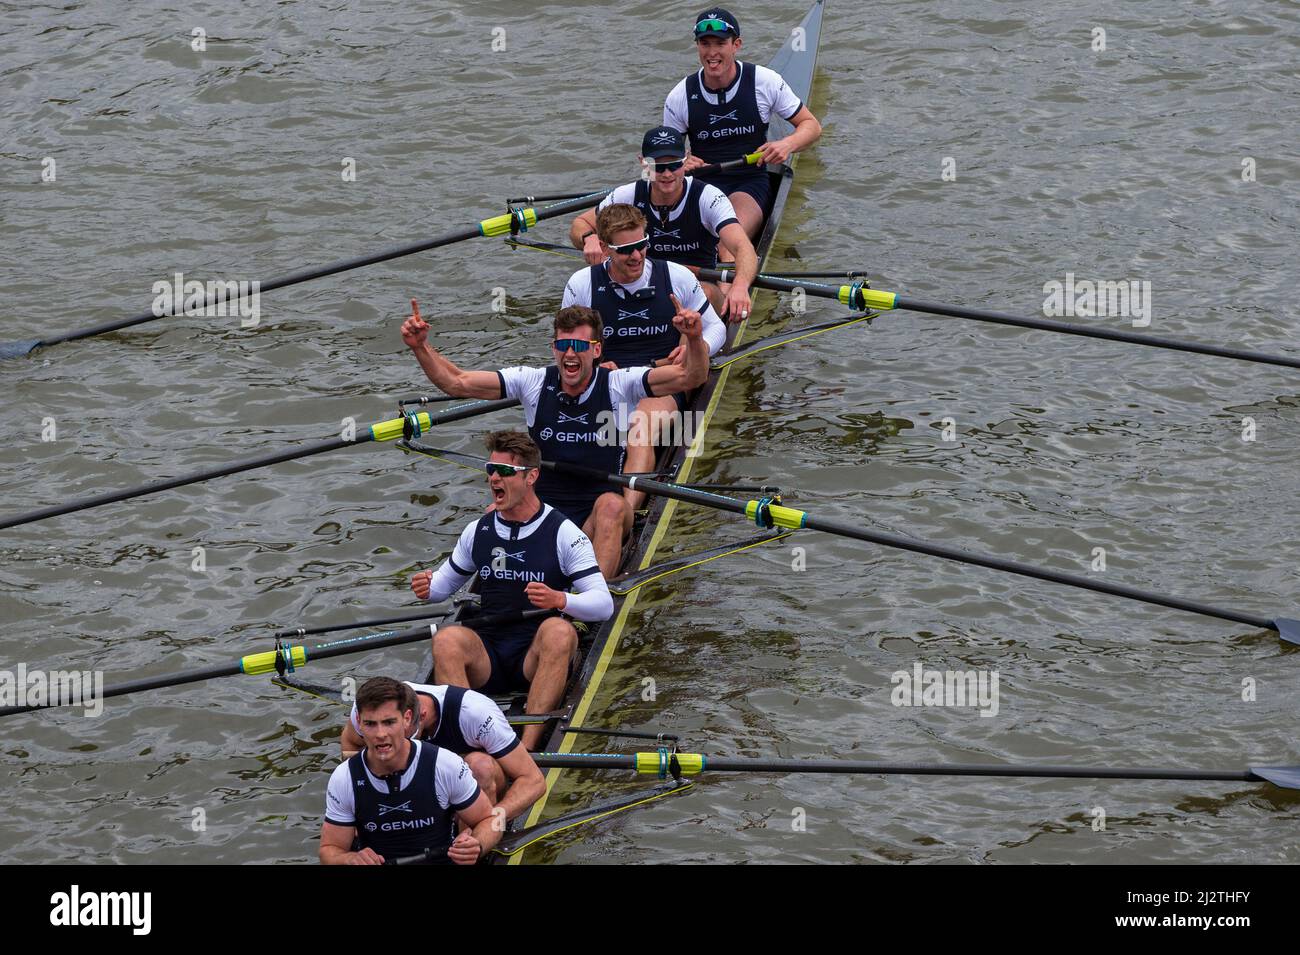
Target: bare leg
x=748 y=212
x=642 y=438
x=609 y=523
x=716 y=294
x=459 y=658
x=547 y=668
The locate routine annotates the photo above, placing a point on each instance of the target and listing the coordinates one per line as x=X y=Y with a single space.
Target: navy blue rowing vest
x=638 y=332
x=501 y=582
x=402 y=823
x=585 y=433
x=684 y=239
x=448 y=734
x=728 y=130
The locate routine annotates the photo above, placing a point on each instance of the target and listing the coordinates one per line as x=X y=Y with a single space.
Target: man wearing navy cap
x=724 y=109
x=688 y=222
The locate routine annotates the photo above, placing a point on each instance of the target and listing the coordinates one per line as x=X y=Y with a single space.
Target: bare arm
x=590 y=246
x=440 y=370
x=478 y=835
x=527 y=782
x=806 y=132
x=350 y=742
x=336 y=847
x=732 y=237
x=694 y=369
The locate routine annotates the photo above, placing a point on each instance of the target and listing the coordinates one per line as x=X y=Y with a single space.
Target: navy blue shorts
x=757 y=184
x=506 y=652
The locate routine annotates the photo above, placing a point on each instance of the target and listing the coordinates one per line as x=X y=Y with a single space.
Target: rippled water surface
x=1123 y=163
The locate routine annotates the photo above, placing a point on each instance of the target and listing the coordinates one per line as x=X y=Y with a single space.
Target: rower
x=691 y=222
x=636 y=297
x=724 y=109
x=398 y=797
x=473 y=727
x=575 y=410
x=525 y=554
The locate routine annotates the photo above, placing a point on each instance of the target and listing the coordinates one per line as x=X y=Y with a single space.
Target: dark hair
x=617 y=217
x=379 y=690
x=567 y=319
x=516 y=443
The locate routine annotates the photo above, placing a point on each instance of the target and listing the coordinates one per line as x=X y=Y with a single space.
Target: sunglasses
x=669 y=166
x=579 y=345
x=505 y=470
x=627 y=248
x=705 y=27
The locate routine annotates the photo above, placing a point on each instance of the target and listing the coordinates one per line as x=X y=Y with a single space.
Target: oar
x=858 y=296
x=661 y=763
x=517 y=220
x=516 y=841
x=723 y=359
x=626 y=583
x=382 y=431
x=768 y=513
x=747 y=160
x=817 y=275
x=475 y=462
x=284 y=659
x=359 y=624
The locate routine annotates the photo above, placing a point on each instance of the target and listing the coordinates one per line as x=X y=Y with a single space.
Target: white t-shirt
x=685 y=286
x=454 y=786
x=627 y=387
x=716 y=209
x=481 y=722
x=590 y=600
x=771 y=93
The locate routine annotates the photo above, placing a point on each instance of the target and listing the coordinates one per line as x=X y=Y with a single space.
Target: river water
x=972 y=154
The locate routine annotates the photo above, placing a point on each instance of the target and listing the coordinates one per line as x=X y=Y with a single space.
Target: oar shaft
x=359 y=624
x=381 y=431
x=693 y=763
x=793 y=519
x=858 y=297
x=1114 y=335
x=234 y=467
x=498 y=225
x=772 y=282
x=1028 y=570
x=294 y=657
x=136 y=686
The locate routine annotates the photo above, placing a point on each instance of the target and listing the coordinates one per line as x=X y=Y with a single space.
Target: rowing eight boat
x=795 y=61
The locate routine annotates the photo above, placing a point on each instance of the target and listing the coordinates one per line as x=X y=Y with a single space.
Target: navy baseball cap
x=716 y=22
x=663 y=141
